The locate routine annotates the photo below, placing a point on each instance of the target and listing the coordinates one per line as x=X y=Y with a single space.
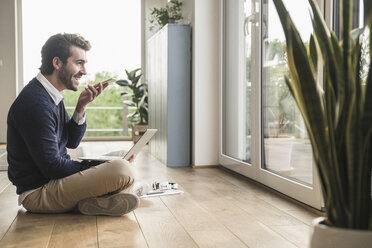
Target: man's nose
x=83 y=70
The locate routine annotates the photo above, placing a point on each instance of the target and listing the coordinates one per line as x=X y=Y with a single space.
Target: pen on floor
x=155 y=192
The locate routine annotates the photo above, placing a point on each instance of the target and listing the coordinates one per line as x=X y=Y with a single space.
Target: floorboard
x=4 y=181
x=74 y=230
x=120 y=232
x=248 y=224
x=160 y=227
x=203 y=227
x=9 y=208
x=29 y=230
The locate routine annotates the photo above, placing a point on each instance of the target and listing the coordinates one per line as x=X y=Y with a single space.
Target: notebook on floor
x=154 y=193
x=136 y=148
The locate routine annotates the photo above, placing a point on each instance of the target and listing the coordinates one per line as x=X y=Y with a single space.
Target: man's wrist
x=80 y=109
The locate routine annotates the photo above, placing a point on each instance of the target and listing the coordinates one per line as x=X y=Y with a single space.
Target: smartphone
x=106 y=82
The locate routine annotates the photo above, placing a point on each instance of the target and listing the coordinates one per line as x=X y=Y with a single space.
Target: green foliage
x=171 y=13
x=337 y=114
x=137 y=93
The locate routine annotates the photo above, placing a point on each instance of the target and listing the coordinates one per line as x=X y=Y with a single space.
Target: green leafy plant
x=138 y=97
x=337 y=112
x=171 y=13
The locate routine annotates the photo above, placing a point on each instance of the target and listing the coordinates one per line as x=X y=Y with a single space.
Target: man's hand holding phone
x=90 y=93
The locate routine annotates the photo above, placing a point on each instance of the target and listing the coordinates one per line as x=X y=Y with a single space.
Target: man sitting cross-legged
x=40 y=129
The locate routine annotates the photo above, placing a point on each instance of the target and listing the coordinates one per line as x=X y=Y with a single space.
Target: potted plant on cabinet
x=138 y=99
x=171 y=13
x=338 y=116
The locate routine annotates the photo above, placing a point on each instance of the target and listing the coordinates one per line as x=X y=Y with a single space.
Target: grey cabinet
x=168 y=72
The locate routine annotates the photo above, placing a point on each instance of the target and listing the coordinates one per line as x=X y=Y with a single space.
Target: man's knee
x=122 y=169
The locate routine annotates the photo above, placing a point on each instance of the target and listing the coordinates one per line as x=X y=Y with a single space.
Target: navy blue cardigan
x=37 y=136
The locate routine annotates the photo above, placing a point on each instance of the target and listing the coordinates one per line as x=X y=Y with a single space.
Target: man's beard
x=66 y=79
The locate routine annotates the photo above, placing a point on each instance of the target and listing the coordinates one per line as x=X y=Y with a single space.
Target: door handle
x=252 y=18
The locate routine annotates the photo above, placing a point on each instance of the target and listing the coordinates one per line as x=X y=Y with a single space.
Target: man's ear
x=57 y=63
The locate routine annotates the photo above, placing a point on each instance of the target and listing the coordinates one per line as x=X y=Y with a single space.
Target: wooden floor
x=218 y=209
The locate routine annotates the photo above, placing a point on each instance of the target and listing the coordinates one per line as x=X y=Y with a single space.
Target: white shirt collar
x=52 y=91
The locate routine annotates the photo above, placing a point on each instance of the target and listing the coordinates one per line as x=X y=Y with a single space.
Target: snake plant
x=337 y=110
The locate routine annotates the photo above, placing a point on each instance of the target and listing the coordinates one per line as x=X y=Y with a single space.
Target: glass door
x=287 y=150
x=263 y=134
x=237 y=94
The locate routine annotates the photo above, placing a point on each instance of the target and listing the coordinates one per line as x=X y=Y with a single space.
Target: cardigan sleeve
x=75 y=131
x=39 y=131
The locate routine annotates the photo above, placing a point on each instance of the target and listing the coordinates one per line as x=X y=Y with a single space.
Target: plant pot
x=137 y=131
x=279 y=154
x=324 y=236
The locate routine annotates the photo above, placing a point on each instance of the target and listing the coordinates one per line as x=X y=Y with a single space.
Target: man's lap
x=63 y=194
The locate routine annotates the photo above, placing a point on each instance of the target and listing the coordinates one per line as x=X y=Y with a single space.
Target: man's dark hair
x=59 y=46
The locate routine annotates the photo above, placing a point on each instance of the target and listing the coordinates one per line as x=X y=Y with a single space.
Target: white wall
x=206 y=80
x=10 y=54
x=204 y=17
x=146 y=6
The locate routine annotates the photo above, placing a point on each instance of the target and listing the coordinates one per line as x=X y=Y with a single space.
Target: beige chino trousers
x=62 y=195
